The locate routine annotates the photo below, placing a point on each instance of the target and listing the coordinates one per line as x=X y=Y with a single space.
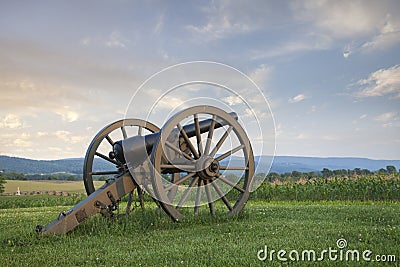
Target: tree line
x=325 y=173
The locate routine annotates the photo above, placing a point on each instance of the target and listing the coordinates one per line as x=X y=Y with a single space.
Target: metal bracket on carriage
x=107 y=210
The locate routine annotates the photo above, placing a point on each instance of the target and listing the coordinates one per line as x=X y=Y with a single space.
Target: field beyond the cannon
x=12 y=186
x=149 y=238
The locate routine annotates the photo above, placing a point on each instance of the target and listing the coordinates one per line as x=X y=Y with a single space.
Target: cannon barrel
x=139 y=147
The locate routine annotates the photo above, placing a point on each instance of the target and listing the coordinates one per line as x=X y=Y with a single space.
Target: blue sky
x=329 y=69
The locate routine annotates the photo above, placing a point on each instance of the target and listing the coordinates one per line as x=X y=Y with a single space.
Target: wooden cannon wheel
x=121 y=130
x=204 y=166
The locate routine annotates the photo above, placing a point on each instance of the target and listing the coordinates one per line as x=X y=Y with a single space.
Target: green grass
x=149 y=238
x=11 y=186
x=14 y=202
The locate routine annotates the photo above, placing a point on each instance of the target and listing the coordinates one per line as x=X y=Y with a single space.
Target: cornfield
x=357 y=188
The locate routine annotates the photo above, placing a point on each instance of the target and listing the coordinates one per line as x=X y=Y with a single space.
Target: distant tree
x=296 y=174
x=71 y=178
x=339 y=172
x=311 y=175
x=2 y=182
x=357 y=171
x=326 y=172
x=260 y=176
x=382 y=171
x=391 y=169
x=14 y=176
x=52 y=177
x=232 y=177
x=272 y=177
x=103 y=177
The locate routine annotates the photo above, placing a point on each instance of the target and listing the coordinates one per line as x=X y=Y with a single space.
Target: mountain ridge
x=281 y=164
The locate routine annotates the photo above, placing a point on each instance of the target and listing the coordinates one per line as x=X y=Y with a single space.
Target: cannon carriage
x=183 y=165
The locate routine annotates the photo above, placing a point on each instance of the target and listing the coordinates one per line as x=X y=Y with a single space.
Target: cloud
x=385 y=116
x=11 y=121
x=232 y=100
x=355 y=21
x=380 y=83
x=116 y=40
x=297 y=98
x=160 y=24
x=225 y=19
x=67 y=115
x=260 y=74
x=310 y=42
x=86 y=41
x=388 y=36
x=23 y=140
x=342 y=19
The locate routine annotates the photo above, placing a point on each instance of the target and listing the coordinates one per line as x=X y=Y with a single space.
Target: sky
x=330 y=70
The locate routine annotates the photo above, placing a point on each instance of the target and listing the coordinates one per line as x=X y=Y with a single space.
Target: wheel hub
x=207 y=168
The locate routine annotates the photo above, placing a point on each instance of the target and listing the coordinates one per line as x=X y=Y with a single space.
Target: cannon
x=186 y=164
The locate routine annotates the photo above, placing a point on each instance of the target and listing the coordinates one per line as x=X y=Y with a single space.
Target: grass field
x=310 y=216
x=11 y=186
x=149 y=238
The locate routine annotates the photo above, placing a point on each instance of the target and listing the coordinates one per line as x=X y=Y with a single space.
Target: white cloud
x=356 y=21
x=297 y=98
x=388 y=36
x=341 y=19
x=260 y=75
x=308 y=43
x=363 y=116
x=313 y=108
x=381 y=82
x=160 y=25
x=63 y=135
x=231 y=18
x=86 y=41
x=11 y=121
x=385 y=116
x=219 y=28
x=116 y=40
x=232 y=100
x=23 y=140
x=67 y=114
x=169 y=102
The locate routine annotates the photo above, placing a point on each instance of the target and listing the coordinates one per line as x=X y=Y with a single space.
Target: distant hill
x=281 y=164
x=29 y=166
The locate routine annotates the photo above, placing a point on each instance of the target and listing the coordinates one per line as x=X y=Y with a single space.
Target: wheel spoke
x=233 y=168
x=198 y=198
x=107 y=158
x=184 y=178
x=221 y=141
x=177 y=150
x=186 y=193
x=124 y=132
x=210 y=135
x=189 y=143
x=104 y=173
x=233 y=151
x=140 y=131
x=221 y=194
x=198 y=134
x=209 y=199
x=223 y=179
x=172 y=193
x=177 y=166
x=110 y=140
